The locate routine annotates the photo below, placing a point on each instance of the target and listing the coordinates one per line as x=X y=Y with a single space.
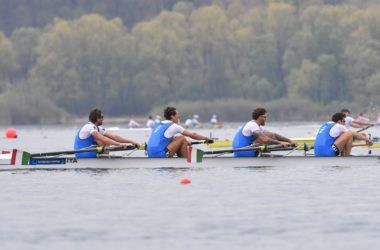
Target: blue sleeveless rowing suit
x=84 y=143
x=157 y=141
x=240 y=141
x=324 y=142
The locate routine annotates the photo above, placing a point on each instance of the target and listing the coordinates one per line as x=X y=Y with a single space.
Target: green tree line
x=227 y=56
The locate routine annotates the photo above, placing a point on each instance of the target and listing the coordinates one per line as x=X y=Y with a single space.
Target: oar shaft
x=96 y=149
x=362 y=129
x=201 y=142
x=212 y=152
x=259 y=148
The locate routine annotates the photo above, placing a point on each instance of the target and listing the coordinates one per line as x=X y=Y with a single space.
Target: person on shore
x=93 y=134
x=168 y=138
x=150 y=122
x=254 y=132
x=334 y=139
x=351 y=122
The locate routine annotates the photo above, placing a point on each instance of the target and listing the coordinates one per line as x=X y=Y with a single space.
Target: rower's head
x=96 y=116
x=171 y=113
x=259 y=115
x=346 y=111
x=339 y=117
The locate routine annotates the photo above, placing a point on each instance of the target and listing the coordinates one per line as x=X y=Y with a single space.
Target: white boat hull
x=65 y=163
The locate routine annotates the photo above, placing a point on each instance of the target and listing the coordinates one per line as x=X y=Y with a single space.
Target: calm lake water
x=289 y=207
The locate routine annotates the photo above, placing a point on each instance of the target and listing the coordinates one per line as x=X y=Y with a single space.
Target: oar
x=202 y=142
x=99 y=150
x=196 y=155
x=362 y=129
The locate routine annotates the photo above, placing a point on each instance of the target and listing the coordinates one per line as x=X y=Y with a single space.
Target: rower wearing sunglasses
x=254 y=132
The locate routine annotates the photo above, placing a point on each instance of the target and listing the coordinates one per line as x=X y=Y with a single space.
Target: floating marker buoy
x=11 y=133
x=185 y=181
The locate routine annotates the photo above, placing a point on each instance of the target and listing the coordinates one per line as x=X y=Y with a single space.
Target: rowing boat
x=119 y=162
x=304 y=140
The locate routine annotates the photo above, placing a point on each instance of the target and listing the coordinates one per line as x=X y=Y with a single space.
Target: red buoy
x=11 y=133
x=185 y=181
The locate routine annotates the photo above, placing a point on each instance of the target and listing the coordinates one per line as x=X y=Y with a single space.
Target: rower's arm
x=118 y=138
x=195 y=136
x=267 y=137
x=104 y=140
x=359 y=124
x=283 y=138
x=356 y=124
x=361 y=136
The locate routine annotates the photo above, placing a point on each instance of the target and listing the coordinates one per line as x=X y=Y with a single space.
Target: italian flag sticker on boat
x=20 y=157
x=194 y=155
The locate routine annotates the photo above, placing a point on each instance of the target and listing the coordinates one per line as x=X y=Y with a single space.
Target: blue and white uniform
x=327 y=135
x=161 y=136
x=244 y=137
x=85 y=139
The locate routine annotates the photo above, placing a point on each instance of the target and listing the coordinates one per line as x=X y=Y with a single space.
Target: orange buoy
x=11 y=133
x=185 y=181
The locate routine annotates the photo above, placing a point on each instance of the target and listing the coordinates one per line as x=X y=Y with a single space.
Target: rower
x=254 y=132
x=150 y=122
x=335 y=139
x=168 y=138
x=93 y=134
x=351 y=122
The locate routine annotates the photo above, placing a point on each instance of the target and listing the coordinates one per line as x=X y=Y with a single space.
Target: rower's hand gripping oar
x=145 y=145
x=196 y=155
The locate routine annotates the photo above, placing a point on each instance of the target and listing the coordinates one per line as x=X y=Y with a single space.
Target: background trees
x=318 y=55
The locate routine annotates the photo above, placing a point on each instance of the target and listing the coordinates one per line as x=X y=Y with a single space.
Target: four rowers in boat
x=168 y=137
x=253 y=132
